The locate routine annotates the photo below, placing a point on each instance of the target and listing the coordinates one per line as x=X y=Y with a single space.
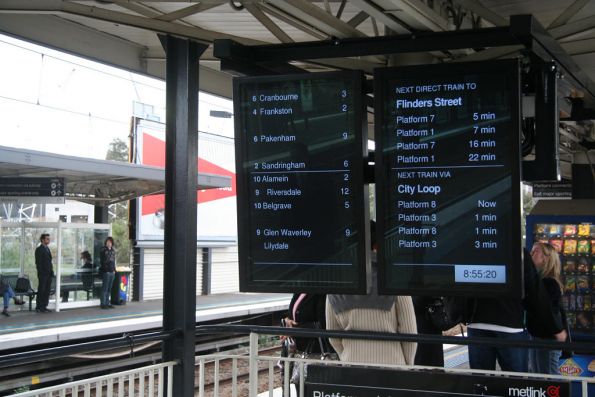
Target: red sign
x=154 y=154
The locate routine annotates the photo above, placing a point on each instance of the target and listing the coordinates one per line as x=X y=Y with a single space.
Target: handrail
x=28 y=357
x=98 y=380
x=385 y=336
x=124 y=341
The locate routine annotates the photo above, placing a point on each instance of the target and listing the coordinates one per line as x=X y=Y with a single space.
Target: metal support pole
x=207 y=265
x=101 y=214
x=546 y=166
x=181 y=156
x=546 y=121
x=58 y=266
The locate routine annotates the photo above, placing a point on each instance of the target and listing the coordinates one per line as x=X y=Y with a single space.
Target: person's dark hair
x=86 y=256
x=43 y=236
x=109 y=239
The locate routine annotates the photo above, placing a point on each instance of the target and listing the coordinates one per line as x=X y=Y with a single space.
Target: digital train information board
x=302 y=204
x=448 y=179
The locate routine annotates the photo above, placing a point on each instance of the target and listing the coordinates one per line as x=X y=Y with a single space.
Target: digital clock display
x=448 y=178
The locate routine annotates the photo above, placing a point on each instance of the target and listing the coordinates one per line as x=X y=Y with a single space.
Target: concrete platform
x=25 y=328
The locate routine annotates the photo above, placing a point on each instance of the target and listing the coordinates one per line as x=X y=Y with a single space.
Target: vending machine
x=569 y=225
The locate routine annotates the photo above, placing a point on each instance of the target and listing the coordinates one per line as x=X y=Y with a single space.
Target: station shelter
x=90 y=181
x=546 y=46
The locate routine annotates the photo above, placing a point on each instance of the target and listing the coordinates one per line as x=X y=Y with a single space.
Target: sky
x=56 y=102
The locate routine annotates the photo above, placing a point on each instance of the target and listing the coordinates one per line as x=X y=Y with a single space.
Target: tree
x=118 y=150
x=122 y=240
x=118 y=213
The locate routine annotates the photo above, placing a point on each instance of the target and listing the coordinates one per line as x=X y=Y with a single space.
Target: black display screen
x=448 y=179
x=302 y=203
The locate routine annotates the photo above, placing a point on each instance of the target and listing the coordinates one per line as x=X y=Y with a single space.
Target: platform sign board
x=448 y=179
x=333 y=381
x=552 y=190
x=302 y=204
x=38 y=190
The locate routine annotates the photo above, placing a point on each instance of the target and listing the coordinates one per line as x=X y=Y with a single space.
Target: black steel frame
x=227 y=49
x=523 y=30
x=181 y=179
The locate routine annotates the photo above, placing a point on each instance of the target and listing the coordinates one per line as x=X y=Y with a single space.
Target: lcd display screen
x=448 y=180
x=302 y=203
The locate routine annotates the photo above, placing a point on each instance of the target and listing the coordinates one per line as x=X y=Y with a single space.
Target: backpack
x=446 y=312
x=23 y=285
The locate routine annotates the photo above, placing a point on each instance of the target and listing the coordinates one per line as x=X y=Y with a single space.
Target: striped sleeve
x=332 y=323
x=406 y=324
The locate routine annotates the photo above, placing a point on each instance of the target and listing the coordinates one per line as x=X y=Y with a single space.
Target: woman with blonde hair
x=547 y=263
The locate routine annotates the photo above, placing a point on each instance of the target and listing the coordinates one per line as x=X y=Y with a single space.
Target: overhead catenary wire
x=74 y=112
x=105 y=72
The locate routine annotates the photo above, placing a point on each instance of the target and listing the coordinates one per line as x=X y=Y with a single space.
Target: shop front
x=569 y=226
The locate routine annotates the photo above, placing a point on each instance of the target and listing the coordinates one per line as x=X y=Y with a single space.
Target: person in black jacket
x=108 y=270
x=427 y=354
x=45 y=273
x=547 y=263
x=503 y=318
x=307 y=311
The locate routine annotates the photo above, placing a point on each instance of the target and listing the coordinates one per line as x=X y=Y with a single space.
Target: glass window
x=10 y=250
x=31 y=242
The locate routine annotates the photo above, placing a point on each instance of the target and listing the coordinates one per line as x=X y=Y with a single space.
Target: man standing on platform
x=45 y=273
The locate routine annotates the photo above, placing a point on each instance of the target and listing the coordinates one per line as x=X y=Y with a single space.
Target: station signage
x=552 y=190
x=333 y=381
x=302 y=203
x=448 y=179
x=38 y=190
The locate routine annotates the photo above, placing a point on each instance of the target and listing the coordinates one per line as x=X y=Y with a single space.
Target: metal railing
x=265 y=379
x=150 y=379
x=146 y=381
x=587 y=346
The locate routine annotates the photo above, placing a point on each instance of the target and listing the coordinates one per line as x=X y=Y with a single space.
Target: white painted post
x=271 y=378
x=234 y=377
x=216 y=379
x=253 y=365
x=201 y=381
x=170 y=383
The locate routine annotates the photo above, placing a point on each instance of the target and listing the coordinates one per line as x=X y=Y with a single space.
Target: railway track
x=225 y=379
x=69 y=368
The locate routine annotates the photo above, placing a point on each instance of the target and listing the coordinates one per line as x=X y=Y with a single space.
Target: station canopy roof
x=123 y=33
x=99 y=182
